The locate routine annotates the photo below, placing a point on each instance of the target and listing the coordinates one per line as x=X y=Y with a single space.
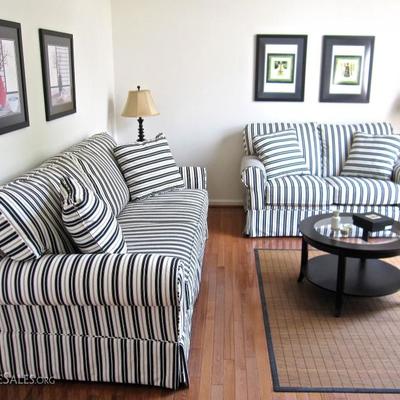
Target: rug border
x=271 y=354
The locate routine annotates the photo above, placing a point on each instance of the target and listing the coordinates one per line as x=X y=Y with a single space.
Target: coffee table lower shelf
x=368 y=278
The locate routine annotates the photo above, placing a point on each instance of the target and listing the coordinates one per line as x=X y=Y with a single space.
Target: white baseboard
x=225 y=202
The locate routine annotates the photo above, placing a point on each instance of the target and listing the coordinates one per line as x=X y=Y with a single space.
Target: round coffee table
x=352 y=266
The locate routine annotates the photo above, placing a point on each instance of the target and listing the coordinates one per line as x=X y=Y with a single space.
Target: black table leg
x=304 y=260
x=341 y=275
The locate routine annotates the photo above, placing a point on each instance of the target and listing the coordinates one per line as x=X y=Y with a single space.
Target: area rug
x=312 y=351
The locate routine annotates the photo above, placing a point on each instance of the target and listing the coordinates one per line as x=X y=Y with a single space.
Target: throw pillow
x=281 y=154
x=89 y=220
x=148 y=167
x=372 y=156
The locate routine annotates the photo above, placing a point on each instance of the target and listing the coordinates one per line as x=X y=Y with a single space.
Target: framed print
x=57 y=52
x=13 y=102
x=346 y=69
x=280 y=67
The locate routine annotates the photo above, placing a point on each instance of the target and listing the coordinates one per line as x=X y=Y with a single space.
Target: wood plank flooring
x=229 y=358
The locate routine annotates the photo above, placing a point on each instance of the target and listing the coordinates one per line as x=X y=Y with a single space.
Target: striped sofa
x=102 y=317
x=274 y=207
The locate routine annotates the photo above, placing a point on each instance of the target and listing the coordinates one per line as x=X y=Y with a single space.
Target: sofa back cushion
x=307 y=134
x=337 y=138
x=30 y=211
x=96 y=158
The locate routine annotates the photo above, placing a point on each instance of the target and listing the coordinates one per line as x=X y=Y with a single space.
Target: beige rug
x=311 y=350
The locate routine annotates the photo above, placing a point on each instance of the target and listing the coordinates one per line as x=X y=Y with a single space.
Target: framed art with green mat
x=280 y=67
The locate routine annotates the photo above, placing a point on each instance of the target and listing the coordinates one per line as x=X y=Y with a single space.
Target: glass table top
x=351 y=233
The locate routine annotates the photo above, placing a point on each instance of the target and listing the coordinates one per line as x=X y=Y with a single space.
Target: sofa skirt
x=82 y=350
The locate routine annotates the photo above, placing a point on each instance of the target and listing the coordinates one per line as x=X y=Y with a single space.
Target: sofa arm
x=396 y=173
x=194 y=177
x=253 y=177
x=92 y=279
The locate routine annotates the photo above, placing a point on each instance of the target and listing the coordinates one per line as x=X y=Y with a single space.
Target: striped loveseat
x=274 y=207
x=100 y=317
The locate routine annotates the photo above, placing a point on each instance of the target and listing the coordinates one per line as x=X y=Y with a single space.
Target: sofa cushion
x=364 y=191
x=336 y=142
x=15 y=243
x=307 y=135
x=280 y=153
x=89 y=220
x=172 y=223
x=372 y=156
x=96 y=158
x=305 y=190
x=148 y=167
x=31 y=206
x=33 y=210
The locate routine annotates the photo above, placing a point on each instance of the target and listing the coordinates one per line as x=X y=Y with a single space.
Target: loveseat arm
x=92 y=279
x=396 y=173
x=194 y=177
x=253 y=177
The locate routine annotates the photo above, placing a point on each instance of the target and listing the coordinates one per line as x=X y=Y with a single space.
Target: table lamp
x=139 y=104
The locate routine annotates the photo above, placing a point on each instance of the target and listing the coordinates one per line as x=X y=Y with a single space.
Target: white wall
x=197 y=57
x=90 y=23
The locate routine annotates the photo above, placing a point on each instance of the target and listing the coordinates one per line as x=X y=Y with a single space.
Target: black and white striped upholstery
x=372 y=156
x=89 y=220
x=33 y=209
x=96 y=159
x=336 y=142
x=280 y=153
x=254 y=180
x=13 y=244
x=307 y=134
x=194 y=177
x=173 y=224
x=302 y=190
x=396 y=173
x=274 y=207
x=284 y=221
x=106 y=317
x=148 y=167
x=364 y=191
x=58 y=286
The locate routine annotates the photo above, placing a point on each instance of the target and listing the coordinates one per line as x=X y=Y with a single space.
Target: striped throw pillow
x=372 y=156
x=280 y=153
x=148 y=167
x=89 y=220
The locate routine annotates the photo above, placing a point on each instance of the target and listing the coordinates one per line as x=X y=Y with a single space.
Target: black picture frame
x=278 y=78
x=346 y=69
x=58 y=72
x=14 y=113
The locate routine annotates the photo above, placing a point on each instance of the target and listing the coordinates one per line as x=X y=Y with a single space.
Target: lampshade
x=139 y=104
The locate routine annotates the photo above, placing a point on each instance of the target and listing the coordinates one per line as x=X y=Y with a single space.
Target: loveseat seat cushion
x=173 y=224
x=298 y=190
x=337 y=138
x=364 y=191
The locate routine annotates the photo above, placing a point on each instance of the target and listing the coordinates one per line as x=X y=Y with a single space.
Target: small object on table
x=336 y=220
x=371 y=222
x=345 y=229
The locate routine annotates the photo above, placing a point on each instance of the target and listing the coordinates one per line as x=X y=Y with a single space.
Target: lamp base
x=141 y=130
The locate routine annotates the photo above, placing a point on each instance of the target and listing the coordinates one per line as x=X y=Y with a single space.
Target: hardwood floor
x=229 y=357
